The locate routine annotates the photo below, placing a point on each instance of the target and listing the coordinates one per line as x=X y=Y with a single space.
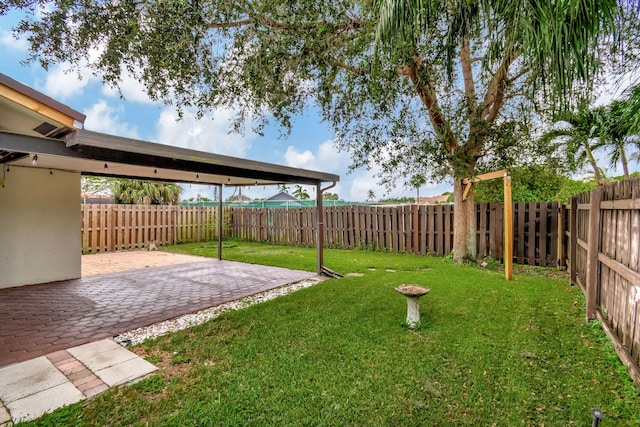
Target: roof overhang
x=93 y=153
x=27 y=111
x=33 y=124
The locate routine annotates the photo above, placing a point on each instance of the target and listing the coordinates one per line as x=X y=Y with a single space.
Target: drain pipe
x=320 y=227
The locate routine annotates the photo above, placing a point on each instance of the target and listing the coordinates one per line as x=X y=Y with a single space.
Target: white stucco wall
x=39 y=226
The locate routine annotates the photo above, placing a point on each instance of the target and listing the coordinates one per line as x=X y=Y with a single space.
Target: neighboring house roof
x=433 y=200
x=281 y=197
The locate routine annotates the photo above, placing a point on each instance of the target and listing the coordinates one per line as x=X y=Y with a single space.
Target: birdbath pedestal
x=413 y=294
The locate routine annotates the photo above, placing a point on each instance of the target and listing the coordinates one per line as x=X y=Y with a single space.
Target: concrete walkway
x=38 y=386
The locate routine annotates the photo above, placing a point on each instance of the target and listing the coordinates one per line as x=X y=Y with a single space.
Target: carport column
x=220 y=217
x=320 y=228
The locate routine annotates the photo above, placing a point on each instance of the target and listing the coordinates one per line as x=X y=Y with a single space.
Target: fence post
x=593 y=246
x=573 y=241
x=562 y=212
x=415 y=209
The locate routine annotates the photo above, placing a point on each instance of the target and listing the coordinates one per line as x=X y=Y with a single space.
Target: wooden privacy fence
x=108 y=228
x=418 y=229
x=604 y=259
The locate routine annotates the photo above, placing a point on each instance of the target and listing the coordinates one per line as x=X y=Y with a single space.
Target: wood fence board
x=530 y=236
x=447 y=230
x=543 y=235
x=519 y=232
x=431 y=231
x=422 y=237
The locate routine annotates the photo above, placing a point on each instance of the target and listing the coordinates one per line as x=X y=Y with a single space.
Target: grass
x=489 y=352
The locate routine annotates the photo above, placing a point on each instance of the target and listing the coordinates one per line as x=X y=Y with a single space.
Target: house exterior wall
x=39 y=226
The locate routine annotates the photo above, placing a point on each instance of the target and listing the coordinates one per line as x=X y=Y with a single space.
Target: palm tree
x=139 y=192
x=371 y=195
x=284 y=188
x=616 y=134
x=577 y=131
x=416 y=182
x=301 y=193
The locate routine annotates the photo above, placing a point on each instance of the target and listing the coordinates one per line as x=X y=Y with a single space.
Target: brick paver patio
x=40 y=319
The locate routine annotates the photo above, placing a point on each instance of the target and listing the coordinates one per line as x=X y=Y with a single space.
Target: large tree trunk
x=464 y=224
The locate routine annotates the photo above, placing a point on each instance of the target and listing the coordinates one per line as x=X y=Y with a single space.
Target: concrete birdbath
x=413 y=294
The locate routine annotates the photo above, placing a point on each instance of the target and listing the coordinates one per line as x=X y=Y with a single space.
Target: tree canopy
x=140 y=192
x=426 y=87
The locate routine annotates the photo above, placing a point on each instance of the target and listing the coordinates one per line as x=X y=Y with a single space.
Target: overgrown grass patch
x=489 y=351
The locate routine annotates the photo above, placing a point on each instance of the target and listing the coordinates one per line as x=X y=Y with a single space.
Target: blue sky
x=309 y=146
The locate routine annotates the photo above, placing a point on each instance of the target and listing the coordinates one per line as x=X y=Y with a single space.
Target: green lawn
x=489 y=352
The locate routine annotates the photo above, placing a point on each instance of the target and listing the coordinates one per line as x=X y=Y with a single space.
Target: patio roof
x=93 y=153
x=32 y=124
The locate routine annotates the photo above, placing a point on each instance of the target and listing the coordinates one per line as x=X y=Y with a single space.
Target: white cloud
x=63 y=81
x=61 y=84
x=10 y=42
x=208 y=134
x=326 y=159
x=132 y=90
x=103 y=118
x=297 y=159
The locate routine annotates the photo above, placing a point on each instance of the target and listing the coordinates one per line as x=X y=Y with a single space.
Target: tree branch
x=272 y=23
x=522 y=72
x=467 y=77
x=354 y=70
x=514 y=95
x=429 y=98
x=244 y=22
x=494 y=98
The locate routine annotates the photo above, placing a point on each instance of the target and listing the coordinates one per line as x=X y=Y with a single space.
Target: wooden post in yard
x=319 y=230
x=220 y=219
x=508 y=213
x=593 y=246
x=508 y=228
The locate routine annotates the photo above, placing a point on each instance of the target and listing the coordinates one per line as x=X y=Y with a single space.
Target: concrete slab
x=38 y=386
x=27 y=378
x=37 y=404
x=5 y=418
x=101 y=354
x=126 y=372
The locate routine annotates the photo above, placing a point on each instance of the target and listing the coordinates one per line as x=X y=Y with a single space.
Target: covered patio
x=44 y=150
